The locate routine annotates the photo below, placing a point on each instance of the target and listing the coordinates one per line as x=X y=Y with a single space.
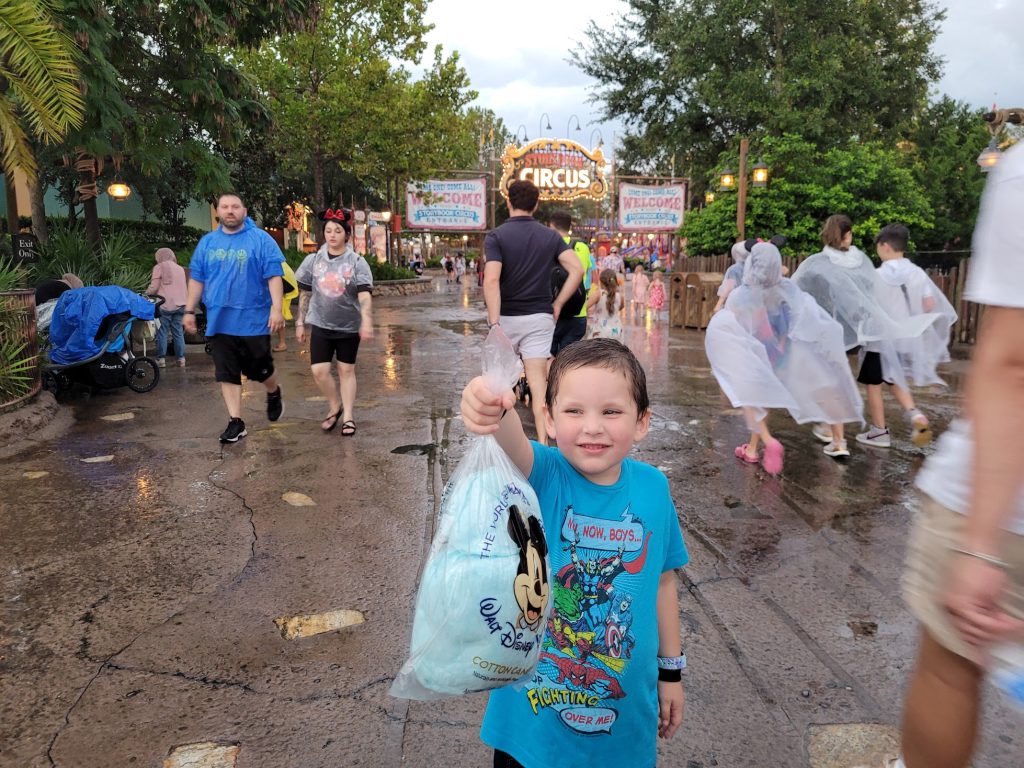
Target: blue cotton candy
x=470 y=632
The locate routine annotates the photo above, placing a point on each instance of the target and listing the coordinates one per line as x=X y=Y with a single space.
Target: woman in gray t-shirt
x=335 y=286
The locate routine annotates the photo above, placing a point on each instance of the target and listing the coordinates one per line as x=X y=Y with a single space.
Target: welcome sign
x=651 y=208
x=450 y=205
x=562 y=169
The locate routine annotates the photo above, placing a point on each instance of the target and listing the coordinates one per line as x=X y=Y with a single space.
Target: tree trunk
x=85 y=165
x=39 y=226
x=12 y=204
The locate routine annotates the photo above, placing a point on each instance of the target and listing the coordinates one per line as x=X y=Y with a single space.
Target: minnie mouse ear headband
x=341 y=215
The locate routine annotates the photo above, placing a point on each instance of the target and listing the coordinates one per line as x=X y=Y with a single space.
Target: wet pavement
x=140 y=589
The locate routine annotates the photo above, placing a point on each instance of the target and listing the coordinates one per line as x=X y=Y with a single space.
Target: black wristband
x=670 y=675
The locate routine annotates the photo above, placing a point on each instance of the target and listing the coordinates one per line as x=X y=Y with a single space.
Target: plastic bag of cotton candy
x=483 y=597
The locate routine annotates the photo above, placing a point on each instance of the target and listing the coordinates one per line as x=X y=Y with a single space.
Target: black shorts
x=323 y=348
x=567 y=331
x=871 y=369
x=235 y=356
x=505 y=760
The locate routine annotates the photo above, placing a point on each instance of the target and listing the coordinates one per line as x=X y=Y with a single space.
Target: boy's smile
x=594 y=422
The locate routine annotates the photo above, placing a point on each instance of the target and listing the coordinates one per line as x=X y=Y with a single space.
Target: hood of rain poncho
x=734 y=274
x=74 y=329
x=849 y=259
x=773 y=347
x=903 y=289
x=849 y=292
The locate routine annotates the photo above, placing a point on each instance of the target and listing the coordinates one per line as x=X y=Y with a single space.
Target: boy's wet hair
x=523 y=195
x=600 y=353
x=896 y=236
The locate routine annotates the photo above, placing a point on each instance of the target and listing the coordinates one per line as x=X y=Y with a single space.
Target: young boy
x=609 y=673
x=904 y=290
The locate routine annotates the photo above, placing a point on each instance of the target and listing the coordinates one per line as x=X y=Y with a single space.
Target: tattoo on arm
x=303 y=305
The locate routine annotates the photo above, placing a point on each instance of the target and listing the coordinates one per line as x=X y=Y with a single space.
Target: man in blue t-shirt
x=517 y=287
x=608 y=682
x=237 y=270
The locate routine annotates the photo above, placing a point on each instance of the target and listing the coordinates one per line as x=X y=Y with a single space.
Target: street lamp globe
x=385 y=216
x=709 y=197
x=119 y=190
x=760 y=174
x=727 y=179
x=989 y=156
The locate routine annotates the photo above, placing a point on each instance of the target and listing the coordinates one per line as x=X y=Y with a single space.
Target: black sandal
x=348 y=428
x=334 y=423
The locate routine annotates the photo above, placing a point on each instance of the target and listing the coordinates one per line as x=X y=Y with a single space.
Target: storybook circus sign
x=448 y=205
x=562 y=169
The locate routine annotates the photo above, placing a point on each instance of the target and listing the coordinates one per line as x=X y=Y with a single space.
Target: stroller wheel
x=55 y=382
x=142 y=374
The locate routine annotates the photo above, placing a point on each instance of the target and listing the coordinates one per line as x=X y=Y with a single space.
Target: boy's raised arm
x=487 y=413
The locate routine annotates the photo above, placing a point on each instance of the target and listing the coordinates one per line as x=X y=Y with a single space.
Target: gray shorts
x=530 y=335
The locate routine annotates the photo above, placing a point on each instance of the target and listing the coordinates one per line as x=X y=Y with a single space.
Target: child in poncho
x=842 y=279
x=905 y=291
x=640 y=284
x=772 y=346
x=734 y=274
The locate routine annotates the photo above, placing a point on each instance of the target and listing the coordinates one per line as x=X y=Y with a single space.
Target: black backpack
x=574 y=304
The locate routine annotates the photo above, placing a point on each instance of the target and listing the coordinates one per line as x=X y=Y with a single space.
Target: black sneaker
x=275 y=405
x=234 y=432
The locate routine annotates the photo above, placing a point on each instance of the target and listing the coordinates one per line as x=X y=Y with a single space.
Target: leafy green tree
x=868 y=181
x=39 y=77
x=944 y=143
x=687 y=75
x=159 y=88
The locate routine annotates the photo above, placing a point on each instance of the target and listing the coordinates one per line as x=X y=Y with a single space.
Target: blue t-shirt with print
x=234 y=270
x=594 y=699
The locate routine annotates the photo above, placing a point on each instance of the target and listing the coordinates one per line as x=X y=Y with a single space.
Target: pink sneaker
x=772 y=459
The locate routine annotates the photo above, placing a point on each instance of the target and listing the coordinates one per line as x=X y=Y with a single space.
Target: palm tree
x=39 y=82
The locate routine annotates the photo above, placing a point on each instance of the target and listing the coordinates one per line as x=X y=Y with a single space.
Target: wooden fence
x=949 y=280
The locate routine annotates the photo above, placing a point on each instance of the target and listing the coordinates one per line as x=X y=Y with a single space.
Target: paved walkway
x=139 y=591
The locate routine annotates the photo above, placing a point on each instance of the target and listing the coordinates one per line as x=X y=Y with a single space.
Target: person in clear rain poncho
x=904 y=290
x=843 y=281
x=734 y=274
x=773 y=346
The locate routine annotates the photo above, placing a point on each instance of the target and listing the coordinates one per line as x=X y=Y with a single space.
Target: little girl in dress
x=656 y=295
x=640 y=284
x=605 y=312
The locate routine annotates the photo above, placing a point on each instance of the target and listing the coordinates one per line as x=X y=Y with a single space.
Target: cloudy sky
x=521 y=71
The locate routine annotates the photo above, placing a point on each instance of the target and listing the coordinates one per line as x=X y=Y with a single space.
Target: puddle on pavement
x=414 y=449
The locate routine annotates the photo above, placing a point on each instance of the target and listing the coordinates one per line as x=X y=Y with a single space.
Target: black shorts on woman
x=325 y=345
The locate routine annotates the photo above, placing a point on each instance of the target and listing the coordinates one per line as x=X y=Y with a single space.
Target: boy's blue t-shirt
x=234 y=269
x=594 y=699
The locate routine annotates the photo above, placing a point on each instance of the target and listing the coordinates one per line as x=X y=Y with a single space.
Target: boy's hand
x=671 y=702
x=482 y=409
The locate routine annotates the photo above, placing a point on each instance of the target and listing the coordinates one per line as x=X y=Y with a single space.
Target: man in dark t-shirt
x=517 y=287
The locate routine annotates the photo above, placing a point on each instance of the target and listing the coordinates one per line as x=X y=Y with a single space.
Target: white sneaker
x=920 y=430
x=878 y=438
x=823 y=432
x=161 y=362
x=837 y=450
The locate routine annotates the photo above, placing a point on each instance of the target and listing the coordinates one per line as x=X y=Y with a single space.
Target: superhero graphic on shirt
x=589 y=637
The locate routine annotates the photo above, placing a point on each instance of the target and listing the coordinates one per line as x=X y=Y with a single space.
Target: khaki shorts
x=530 y=335
x=935 y=532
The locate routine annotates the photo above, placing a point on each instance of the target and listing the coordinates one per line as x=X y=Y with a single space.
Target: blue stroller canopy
x=79 y=314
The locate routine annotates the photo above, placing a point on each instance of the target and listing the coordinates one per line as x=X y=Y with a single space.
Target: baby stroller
x=90 y=334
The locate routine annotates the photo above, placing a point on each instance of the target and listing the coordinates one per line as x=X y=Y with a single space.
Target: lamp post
x=568 y=125
x=728 y=180
x=996 y=120
x=526 y=138
x=540 y=129
x=385 y=216
x=600 y=138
